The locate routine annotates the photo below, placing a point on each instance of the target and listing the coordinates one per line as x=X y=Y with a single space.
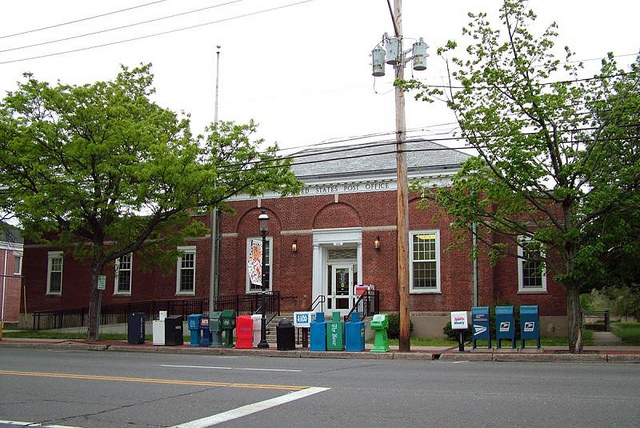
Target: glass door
x=340 y=284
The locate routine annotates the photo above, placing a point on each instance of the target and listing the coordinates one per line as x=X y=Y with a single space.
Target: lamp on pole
x=263 y=220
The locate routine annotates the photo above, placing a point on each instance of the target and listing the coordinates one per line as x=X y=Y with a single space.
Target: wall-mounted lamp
x=376 y=243
x=294 y=246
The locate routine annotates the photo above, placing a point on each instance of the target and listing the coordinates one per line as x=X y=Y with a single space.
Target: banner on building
x=254 y=262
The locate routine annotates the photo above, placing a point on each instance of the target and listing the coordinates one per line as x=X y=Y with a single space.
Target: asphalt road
x=98 y=389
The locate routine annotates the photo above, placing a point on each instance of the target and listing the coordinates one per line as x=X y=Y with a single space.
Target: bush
x=453 y=334
x=393 y=332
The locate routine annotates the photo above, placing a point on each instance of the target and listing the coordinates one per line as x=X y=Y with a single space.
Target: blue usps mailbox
x=480 y=325
x=505 y=325
x=318 y=333
x=529 y=324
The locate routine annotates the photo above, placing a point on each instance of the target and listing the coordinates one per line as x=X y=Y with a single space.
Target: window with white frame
x=17 y=265
x=424 y=255
x=54 y=272
x=186 y=271
x=124 y=266
x=251 y=256
x=532 y=277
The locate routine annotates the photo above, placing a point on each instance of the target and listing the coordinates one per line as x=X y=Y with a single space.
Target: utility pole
x=402 y=192
x=395 y=56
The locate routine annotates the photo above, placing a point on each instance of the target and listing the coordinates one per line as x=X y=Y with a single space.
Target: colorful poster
x=254 y=263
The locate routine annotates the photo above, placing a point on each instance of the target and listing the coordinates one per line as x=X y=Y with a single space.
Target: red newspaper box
x=244 y=331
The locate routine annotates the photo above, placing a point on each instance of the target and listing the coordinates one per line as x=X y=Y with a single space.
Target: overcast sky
x=301 y=70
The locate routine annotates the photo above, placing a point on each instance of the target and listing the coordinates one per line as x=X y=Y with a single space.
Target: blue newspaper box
x=505 y=325
x=194 y=328
x=205 y=337
x=318 y=333
x=354 y=334
x=480 y=325
x=529 y=324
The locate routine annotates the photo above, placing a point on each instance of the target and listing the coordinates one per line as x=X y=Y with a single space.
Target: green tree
x=556 y=154
x=105 y=168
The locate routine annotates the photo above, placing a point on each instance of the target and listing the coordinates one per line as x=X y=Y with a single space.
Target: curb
x=447 y=355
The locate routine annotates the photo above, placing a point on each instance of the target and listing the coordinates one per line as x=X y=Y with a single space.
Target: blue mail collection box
x=318 y=332
x=505 y=325
x=529 y=324
x=480 y=325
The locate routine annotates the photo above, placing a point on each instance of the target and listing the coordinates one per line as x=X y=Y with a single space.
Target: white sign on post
x=459 y=320
x=303 y=319
x=102 y=282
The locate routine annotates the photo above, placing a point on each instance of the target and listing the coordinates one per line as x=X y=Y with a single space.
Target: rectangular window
x=254 y=264
x=123 y=274
x=532 y=277
x=186 y=271
x=17 y=266
x=54 y=272
x=424 y=254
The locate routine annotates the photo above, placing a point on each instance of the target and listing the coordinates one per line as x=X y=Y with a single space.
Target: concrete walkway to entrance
x=606 y=338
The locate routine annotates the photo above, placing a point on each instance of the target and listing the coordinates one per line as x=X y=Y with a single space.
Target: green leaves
x=103 y=162
x=558 y=157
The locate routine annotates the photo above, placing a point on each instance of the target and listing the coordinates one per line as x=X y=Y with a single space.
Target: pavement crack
x=127 y=406
x=339 y=369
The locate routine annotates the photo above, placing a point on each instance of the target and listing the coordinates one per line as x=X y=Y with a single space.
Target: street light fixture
x=263 y=221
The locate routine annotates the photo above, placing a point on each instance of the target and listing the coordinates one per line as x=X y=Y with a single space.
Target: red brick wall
x=296 y=218
x=150 y=282
x=10 y=301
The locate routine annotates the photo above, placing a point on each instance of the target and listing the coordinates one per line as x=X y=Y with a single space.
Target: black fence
x=117 y=313
x=597 y=320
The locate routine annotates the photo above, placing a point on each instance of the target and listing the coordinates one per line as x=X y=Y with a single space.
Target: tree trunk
x=94 y=303
x=574 y=318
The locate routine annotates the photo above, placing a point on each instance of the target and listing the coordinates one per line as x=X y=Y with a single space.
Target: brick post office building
x=340 y=231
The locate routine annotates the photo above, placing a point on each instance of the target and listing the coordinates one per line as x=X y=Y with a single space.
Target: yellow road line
x=152 y=380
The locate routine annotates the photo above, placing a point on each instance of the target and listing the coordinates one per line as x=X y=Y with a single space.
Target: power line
x=81 y=20
x=157 y=34
x=135 y=24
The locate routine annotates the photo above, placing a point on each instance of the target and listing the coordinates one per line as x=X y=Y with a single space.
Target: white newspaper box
x=459 y=320
x=459 y=323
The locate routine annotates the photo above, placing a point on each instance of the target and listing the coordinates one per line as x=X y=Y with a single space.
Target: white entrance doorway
x=341 y=277
x=340 y=288
x=337 y=265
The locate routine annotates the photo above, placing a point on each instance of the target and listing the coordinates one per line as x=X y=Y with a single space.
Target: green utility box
x=335 y=333
x=227 y=325
x=380 y=325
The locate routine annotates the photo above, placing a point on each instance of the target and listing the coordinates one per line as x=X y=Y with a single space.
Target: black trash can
x=173 y=335
x=135 y=328
x=286 y=335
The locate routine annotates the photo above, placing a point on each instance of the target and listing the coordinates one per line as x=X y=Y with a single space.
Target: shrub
x=453 y=334
x=393 y=332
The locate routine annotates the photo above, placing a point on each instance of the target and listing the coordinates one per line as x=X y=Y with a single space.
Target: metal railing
x=367 y=304
x=318 y=301
x=117 y=313
x=597 y=320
